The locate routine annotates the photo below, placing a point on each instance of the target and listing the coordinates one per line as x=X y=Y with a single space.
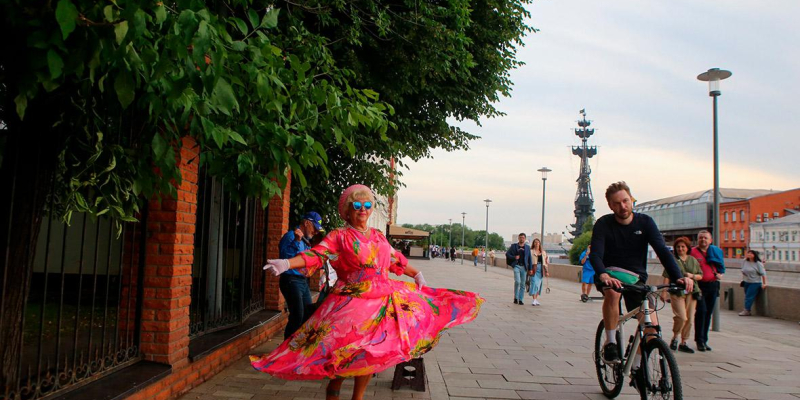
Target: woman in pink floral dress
x=368 y=322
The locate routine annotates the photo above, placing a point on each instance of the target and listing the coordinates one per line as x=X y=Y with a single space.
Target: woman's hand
x=277 y=267
x=420 y=281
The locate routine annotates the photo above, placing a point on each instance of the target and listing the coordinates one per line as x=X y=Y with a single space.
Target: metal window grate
x=230 y=248
x=81 y=316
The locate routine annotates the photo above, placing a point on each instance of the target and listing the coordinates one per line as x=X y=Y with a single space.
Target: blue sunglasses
x=357 y=205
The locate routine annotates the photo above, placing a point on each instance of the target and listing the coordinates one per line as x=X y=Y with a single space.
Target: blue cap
x=315 y=218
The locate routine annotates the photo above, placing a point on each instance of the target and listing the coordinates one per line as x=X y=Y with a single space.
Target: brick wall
x=168 y=279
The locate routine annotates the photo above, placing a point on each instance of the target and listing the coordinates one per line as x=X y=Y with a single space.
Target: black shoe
x=708 y=348
x=522 y=303
x=516 y=301
x=611 y=353
x=701 y=347
x=685 y=348
x=673 y=345
x=584 y=298
x=637 y=379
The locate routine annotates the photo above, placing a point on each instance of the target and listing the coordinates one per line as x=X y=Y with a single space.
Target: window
x=766 y=215
x=726 y=235
x=794 y=255
x=786 y=255
x=775 y=214
x=758 y=218
x=794 y=236
x=773 y=236
x=726 y=216
x=733 y=235
x=733 y=216
x=741 y=235
x=741 y=215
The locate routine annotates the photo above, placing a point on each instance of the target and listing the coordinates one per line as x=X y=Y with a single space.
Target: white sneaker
x=536 y=303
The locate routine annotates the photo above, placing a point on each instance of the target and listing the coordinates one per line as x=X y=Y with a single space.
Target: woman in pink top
x=368 y=322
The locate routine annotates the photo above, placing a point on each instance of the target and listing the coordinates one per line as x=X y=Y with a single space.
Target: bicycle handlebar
x=647 y=288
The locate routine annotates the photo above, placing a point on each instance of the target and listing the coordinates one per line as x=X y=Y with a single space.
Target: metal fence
x=82 y=314
x=230 y=248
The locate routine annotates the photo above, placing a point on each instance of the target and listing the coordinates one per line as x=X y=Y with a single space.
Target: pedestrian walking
x=754 y=279
x=538 y=271
x=683 y=304
x=368 y=322
x=453 y=254
x=294 y=285
x=475 y=256
x=518 y=257
x=587 y=274
x=712 y=267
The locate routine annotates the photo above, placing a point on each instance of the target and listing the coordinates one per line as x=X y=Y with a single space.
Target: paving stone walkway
x=524 y=352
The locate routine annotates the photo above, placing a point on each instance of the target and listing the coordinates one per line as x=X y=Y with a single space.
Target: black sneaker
x=611 y=353
x=701 y=347
x=584 y=298
x=637 y=379
x=708 y=348
x=673 y=345
x=515 y=301
x=685 y=348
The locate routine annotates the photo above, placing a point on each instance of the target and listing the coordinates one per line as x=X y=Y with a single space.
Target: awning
x=399 y=232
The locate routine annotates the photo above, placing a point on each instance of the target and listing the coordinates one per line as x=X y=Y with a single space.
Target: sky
x=633 y=66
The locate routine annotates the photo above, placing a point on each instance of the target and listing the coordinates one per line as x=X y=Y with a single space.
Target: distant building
x=736 y=218
x=549 y=238
x=688 y=214
x=778 y=239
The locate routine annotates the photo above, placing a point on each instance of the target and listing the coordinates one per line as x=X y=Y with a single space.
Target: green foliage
x=124 y=81
x=262 y=86
x=581 y=242
x=440 y=234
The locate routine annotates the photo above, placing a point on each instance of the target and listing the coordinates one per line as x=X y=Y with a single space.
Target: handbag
x=741 y=284
x=310 y=309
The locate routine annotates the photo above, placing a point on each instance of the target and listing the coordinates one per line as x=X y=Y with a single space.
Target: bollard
x=729 y=298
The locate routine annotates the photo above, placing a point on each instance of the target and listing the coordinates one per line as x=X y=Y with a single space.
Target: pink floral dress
x=368 y=322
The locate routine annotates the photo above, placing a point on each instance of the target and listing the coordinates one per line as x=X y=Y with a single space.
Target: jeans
x=475 y=260
x=751 y=291
x=705 y=307
x=520 y=275
x=294 y=289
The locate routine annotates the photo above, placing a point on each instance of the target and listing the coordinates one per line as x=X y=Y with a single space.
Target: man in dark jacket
x=519 y=255
x=292 y=284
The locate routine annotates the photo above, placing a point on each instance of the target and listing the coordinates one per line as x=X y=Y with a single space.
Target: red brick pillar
x=277 y=225
x=168 y=272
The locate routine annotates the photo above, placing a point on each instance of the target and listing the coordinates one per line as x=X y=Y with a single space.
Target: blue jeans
x=475 y=261
x=520 y=275
x=751 y=291
x=294 y=289
x=705 y=307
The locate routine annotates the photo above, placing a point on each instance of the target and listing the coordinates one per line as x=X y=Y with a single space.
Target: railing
x=230 y=248
x=82 y=315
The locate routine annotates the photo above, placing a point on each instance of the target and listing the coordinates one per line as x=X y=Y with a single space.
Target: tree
x=581 y=242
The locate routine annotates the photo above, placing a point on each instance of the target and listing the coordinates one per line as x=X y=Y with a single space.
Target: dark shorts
x=632 y=299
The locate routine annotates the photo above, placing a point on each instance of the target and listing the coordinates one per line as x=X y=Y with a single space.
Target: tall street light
x=450 y=233
x=486 y=239
x=544 y=171
x=713 y=76
x=463 y=215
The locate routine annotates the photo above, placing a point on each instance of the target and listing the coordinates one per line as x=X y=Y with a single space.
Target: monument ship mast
x=584 y=201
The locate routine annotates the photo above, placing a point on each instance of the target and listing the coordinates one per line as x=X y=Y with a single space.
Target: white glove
x=420 y=280
x=277 y=267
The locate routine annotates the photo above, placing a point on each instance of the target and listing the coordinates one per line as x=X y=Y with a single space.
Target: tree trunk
x=25 y=178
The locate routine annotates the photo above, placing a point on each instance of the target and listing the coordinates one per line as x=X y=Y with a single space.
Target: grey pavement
x=524 y=352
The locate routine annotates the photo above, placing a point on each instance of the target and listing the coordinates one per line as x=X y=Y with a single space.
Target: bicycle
x=658 y=372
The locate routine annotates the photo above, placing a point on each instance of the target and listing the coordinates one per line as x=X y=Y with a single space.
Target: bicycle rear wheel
x=609 y=376
x=663 y=377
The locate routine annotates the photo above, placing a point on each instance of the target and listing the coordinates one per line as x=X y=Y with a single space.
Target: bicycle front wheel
x=663 y=377
x=609 y=376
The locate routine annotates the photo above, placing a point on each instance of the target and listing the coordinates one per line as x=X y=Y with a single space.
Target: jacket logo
x=637 y=233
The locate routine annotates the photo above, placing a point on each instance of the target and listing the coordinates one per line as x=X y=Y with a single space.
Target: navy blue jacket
x=513 y=251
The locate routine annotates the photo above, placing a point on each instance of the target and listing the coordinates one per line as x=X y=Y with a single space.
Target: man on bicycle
x=619 y=254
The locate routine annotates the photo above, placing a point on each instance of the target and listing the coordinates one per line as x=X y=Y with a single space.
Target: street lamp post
x=450 y=233
x=544 y=171
x=713 y=76
x=486 y=238
x=463 y=215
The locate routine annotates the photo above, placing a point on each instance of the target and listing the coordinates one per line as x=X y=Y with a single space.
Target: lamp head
x=713 y=76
